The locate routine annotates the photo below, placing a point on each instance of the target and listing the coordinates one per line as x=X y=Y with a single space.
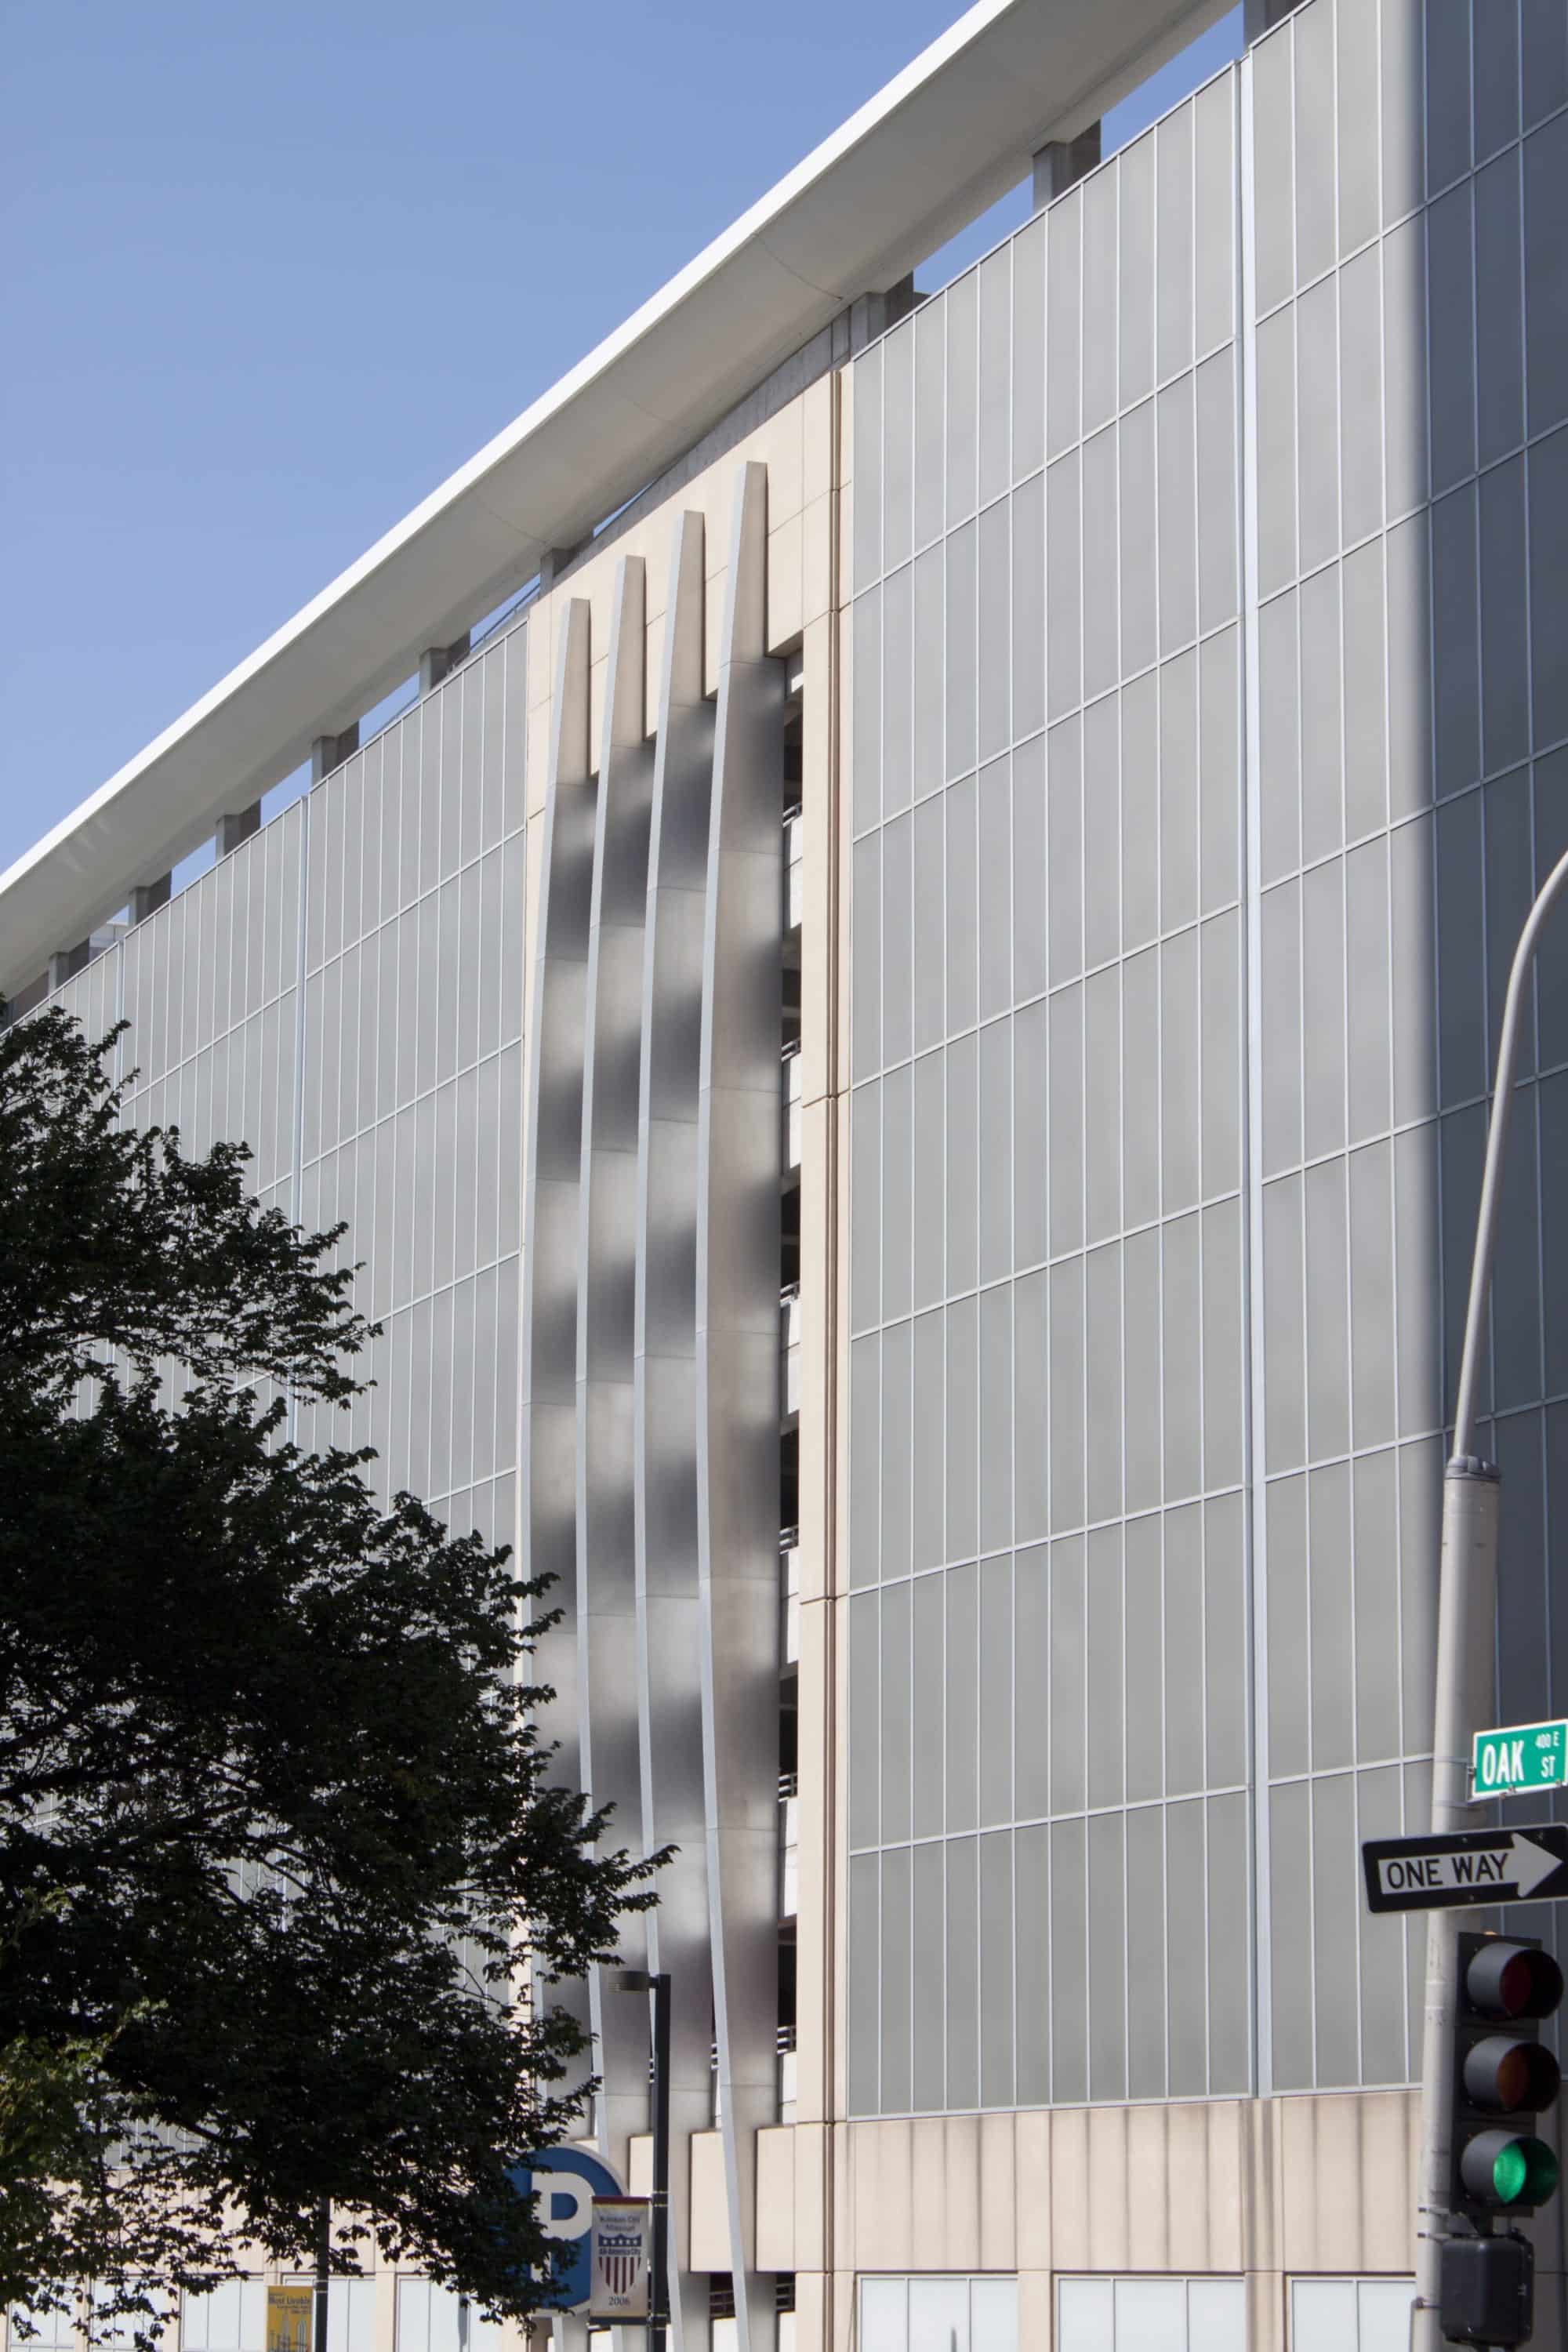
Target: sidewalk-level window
x=53 y=2331
x=231 y=2318
x=1350 y=2315
x=432 y=2318
x=1150 y=2315
x=351 y=2312
x=939 y=2314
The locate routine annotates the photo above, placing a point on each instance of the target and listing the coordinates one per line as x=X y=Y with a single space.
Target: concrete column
x=66 y=962
x=553 y=562
x=148 y=896
x=1061 y=161
x=330 y=751
x=436 y=660
x=871 y=315
x=1258 y=15
x=235 y=826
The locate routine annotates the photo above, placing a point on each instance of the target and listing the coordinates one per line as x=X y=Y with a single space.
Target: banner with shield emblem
x=623 y=2245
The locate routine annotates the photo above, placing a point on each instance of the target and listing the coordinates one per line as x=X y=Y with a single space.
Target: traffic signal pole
x=1466 y=1617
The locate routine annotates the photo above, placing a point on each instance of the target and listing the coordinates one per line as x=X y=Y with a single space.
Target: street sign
x=564 y=2181
x=1526 y=1756
x=1468 y=1867
x=623 y=2252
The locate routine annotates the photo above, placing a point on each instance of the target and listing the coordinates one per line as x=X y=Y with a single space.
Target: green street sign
x=1524 y=1756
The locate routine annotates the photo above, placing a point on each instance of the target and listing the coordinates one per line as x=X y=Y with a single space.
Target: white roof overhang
x=944 y=138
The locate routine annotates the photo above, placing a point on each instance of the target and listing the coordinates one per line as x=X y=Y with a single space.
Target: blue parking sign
x=564 y=2182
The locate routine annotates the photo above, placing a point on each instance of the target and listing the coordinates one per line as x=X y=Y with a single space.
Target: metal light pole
x=657 y=1982
x=1467 y=1616
x=323 y=2272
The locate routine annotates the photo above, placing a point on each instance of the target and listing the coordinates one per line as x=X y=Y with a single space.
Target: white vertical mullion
x=1085 y=1512
x=1255 y=1406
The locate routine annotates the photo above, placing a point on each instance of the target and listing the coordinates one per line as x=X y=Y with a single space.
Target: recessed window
x=1136 y=2314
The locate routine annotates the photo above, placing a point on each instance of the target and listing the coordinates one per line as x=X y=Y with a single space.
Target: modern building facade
x=905 y=1040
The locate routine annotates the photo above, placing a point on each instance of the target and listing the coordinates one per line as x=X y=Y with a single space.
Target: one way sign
x=1467 y=1868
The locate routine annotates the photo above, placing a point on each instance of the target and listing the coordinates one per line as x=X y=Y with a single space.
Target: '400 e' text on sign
x=1524 y=1756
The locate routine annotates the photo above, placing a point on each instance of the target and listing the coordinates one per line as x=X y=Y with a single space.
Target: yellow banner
x=288 y=2317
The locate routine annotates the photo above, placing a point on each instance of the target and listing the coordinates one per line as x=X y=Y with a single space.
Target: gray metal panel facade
x=1411 y=793
x=1195 y=813
x=410 y=1112
x=403 y=1113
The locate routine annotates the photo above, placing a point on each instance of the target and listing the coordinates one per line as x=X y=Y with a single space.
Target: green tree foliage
x=275 y=1812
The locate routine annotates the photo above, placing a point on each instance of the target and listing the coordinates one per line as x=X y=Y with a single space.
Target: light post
x=1467 y=1616
x=323 y=2272
x=657 y=1982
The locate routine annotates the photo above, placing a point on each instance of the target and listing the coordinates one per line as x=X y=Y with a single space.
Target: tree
x=275 y=1811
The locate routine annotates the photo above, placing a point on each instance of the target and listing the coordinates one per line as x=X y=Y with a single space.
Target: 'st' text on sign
x=1525 y=1755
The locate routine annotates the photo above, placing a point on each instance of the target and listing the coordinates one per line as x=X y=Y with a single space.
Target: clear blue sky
x=271 y=272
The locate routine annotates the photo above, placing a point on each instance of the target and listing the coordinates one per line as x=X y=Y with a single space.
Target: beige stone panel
x=776 y=2199
x=713 y=611
x=841 y=2195
x=846 y=830
x=385 y=2277
x=817 y=406
x=537 y=757
x=1109 y=2221
x=812 y=2148
x=785 y=609
x=1146 y=2187
x=653 y=668
x=964 y=2191
x=846 y=535
x=811 y=2311
x=534 y=865
x=652 y=542
x=998 y=2186
x=710 y=2207
x=597 y=671
x=1222 y=2179
x=845 y=2318
x=817 y=851
x=930 y=2216
x=781 y=445
x=845 y=382
x=541 y=680
x=1032 y=2173
x=640 y=2165
x=1068 y=2163
x=1347 y=2178
x=814 y=1936
x=1262 y=2222
x=1391 y=2145
x=817 y=559
x=1037 y=2311
x=886 y=2205
x=648 y=538
x=1265 y=2312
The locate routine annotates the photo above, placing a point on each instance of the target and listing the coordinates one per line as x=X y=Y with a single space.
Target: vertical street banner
x=290 y=2312
x=622 y=2252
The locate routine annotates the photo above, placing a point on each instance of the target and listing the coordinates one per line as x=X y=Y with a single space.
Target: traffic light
x=1503 y=2075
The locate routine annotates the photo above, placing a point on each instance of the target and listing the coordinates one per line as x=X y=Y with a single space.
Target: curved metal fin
x=606 y=1257
x=553 y=1157
x=670 y=1642
x=738 y=1378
